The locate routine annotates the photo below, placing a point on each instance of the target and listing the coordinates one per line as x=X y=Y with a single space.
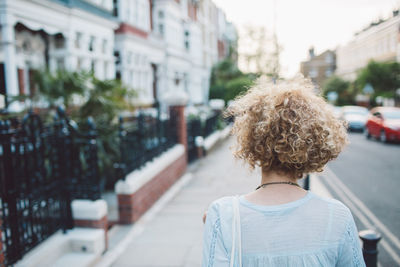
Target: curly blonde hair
x=286 y=127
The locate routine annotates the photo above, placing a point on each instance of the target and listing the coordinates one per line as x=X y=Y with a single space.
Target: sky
x=300 y=24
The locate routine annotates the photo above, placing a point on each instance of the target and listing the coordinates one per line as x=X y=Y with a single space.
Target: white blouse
x=311 y=231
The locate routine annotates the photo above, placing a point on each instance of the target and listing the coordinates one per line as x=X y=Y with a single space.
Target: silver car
x=355 y=116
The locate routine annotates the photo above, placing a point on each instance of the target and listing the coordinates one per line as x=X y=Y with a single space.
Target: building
x=153 y=46
x=54 y=34
x=379 y=42
x=227 y=38
x=139 y=49
x=319 y=67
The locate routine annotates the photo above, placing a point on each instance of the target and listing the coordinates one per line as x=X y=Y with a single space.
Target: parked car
x=384 y=123
x=337 y=111
x=355 y=116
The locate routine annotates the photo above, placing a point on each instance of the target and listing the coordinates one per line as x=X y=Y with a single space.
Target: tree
x=261 y=51
x=61 y=86
x=383 y=76
x=342 y=88
x=227 y=81
x=104 y=101
x=224 y=71
x=237 y=86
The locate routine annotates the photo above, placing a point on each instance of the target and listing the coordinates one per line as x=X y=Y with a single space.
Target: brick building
x=319 y=67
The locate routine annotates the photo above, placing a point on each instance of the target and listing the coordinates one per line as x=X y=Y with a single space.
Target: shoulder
x=337 y=213
x=221 y=207
x=221 y=203
x=333 y=205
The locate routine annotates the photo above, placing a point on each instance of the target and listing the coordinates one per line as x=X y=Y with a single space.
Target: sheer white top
x=311 y=231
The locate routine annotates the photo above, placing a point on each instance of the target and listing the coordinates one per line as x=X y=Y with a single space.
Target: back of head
x=286 y=127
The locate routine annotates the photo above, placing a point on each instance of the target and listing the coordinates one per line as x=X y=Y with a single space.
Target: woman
x=287 y=131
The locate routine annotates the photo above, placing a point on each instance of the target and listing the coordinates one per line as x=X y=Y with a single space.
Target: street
x=366 y=177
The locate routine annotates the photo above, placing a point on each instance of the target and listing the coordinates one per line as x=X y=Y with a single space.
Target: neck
x=276 y=194
x=273 y=176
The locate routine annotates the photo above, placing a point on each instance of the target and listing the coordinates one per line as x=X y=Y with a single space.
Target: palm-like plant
x=101 y=100
x=104 y=101
x=61 y=86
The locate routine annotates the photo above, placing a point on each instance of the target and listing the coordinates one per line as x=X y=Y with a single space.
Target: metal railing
x=42 y=168
x=211 y=124
x=142 y=138
x=193 y=130
x=197 y=128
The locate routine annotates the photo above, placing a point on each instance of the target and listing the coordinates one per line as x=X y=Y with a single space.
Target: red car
x=384 y=124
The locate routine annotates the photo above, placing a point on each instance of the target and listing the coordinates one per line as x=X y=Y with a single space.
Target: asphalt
x=170 y=234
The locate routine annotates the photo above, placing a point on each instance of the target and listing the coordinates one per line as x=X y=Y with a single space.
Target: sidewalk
x=170 y=234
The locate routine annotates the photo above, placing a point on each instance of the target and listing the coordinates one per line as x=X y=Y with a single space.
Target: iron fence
x=42 y=168
x=196 y=127
x=193 y=130
x=142 y=137
x=211 y=124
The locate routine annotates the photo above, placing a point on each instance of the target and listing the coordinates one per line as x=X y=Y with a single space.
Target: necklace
x=264 y=185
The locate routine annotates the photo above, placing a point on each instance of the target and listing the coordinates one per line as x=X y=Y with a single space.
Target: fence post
x=307 y=182
x=370 y=240
x=9 y=195
x=93 y=162
x=62 y=146
x=1 y=247
x=177 y=101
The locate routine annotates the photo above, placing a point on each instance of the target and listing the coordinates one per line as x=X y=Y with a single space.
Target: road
x=366 y=177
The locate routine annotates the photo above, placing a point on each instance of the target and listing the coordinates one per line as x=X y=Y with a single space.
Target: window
x=329 y=58
x=115 y=10
x=129 y=58
x=104 y=46
x=313 y=73
x=328 y=73
x=92 y=66
x=130 y=79
x=91 y=43
x=117 y=58
x=137 y=59
x=59 y=41
x=378 y=114
x=78 y=40
x=161 y=22
x=60 y=63
x=187 y=40
x=105 y=73
x=79 y=64
x=161 y=29
x=186 y=82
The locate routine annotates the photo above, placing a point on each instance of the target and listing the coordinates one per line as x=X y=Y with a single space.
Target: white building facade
x=139 y=50
x=379 y=42
x=153 y=46
x=55 y=35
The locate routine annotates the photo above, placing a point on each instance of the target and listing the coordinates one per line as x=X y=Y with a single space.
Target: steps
x=79 y=247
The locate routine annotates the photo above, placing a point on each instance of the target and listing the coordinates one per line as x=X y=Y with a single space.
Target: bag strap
x=236 y=232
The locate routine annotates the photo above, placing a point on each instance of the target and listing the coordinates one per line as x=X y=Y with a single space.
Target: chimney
x=311 y=52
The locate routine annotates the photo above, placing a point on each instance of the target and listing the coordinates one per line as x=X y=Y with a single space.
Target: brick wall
x=131 y=207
